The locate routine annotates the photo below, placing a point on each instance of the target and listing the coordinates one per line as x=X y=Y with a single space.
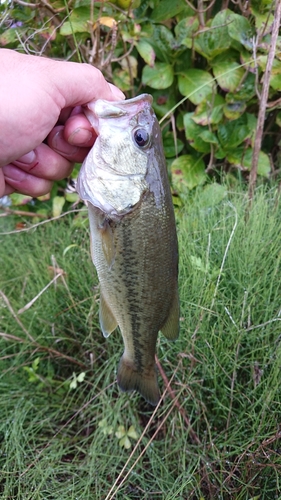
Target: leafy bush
x=203 y=62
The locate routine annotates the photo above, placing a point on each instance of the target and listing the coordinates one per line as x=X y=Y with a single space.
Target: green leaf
x=57 y=205
x=106 y=429
x=32 y=376
x=243 y=159
x=276 y=66
x=183 y=61
x=260 y=6
x=170 y=149
x=167 y=9
x=233 y=110
x=120 y=432
x=196 y=84
x=275 y=82
x=141 y=10
x=73 y=383
x=215 y=39
x=179 y=121
x=234 y=133
x=125 y=442
x=79 y=22
x=121 y=78
x=81 y=377
x=185 y=29
x=146 y=52
x=163 y=101
x=10 y=36
x=19 y=199
x=35 y=364
x=263 y=21
x=227 y=71
x=240 y=29
x=188 y=171
x=209 y=137
x=245 y=92
x=132 y=433
x=210 y=111
x=162 y=41
x=159 y=77
x=130 y=65
x=193 y=132
x=71 y=197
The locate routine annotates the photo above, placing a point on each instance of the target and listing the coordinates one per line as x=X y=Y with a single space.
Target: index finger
x=79 y=84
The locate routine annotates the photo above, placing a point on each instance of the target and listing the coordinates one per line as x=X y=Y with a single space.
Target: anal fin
x=171 y=327
x=107 y=321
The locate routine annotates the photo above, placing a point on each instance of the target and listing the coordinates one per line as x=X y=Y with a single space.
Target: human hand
x=43 y=99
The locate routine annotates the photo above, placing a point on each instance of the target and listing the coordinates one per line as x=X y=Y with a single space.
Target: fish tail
x=129 y=379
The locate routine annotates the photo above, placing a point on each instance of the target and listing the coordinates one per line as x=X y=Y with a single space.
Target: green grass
x=224 y=440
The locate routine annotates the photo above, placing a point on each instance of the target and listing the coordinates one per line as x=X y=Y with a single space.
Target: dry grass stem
x=263 y=100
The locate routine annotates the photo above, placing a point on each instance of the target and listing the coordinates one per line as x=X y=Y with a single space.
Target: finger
x=17 y=179
x=45 y=163
x=68 y=112
x=57 y=142
x=65 y=114
x=2 y=183
x=81 y=83
x=5 y=189
x=8 y=190
x=79 y=132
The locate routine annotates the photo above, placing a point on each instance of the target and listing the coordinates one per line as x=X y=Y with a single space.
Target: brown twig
x=43 y=222
x=39 y=4
x=193 y=436
x=9 y=211
x=7 y=302
x=27 y=306
x=200 y=9
x=50 y=350
x=41 y=348
x=263 y=101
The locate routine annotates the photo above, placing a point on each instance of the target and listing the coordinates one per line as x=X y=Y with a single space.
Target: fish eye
x=141 y=137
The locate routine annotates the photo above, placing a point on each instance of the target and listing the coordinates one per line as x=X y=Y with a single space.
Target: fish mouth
x=102 y=109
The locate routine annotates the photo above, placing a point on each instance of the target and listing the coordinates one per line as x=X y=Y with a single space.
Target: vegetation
x=66 y=431
x=205 y=63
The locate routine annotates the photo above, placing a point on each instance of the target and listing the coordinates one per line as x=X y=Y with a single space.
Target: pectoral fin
x=107 y=321
x=108 y=242
x=171 y=327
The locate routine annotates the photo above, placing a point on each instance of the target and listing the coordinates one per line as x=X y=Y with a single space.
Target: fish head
x=113 y=176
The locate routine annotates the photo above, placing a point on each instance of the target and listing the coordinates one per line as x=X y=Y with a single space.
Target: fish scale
x=134 y=251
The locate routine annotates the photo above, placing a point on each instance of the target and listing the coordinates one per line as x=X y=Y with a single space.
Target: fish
x=134 y=245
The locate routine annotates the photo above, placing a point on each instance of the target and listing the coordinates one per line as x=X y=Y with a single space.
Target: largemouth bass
x=133 y=235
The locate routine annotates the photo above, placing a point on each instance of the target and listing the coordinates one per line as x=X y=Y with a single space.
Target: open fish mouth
x=102 y=109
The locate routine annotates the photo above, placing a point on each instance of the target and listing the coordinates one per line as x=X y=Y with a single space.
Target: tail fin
x=129 y=379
